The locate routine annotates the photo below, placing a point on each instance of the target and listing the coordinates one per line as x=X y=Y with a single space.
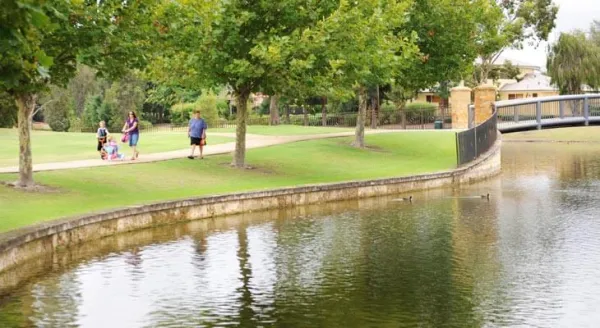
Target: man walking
x=197 y=133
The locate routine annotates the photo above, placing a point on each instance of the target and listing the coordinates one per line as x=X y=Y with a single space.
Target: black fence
x=473 y=142
x=410 y=119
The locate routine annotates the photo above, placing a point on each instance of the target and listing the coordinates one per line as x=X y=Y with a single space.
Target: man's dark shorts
x=195 y=141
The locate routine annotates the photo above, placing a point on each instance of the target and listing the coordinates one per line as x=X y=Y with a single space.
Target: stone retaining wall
x=19 y=246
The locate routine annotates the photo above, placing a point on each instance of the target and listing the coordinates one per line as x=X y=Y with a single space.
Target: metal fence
x=414 y=119
x=548 y=111
x=477 y=140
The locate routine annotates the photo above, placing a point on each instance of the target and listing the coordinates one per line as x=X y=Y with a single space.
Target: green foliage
x=97 y=110
x=505 y=71
x=8 y=111
x=574 y=60
x=223 y=108
x=124 y=96
x=418 y=111
x=358 y=45
x=59 y=109
x=181 y=113
x=263 y=109
x=206 y=104
x=417 y=106
x=144 y=125
x=509 y=23
x=446 y=32
x=83 y=84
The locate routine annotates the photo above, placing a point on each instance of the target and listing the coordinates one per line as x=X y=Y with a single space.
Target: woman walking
x=131 y=128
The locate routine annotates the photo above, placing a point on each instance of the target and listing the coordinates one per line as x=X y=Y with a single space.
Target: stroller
x=110 y=151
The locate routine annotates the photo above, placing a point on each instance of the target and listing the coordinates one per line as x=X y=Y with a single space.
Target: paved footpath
x=252 y=141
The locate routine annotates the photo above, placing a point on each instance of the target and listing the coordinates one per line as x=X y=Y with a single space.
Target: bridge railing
x=548 y=111
x=477 y=140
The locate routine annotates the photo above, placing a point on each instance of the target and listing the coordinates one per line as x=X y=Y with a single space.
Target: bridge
x=538 y=113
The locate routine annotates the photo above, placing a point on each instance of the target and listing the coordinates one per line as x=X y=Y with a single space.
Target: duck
x=404 y=199
x=486 y=196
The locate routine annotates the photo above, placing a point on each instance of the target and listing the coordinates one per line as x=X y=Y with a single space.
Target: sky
x=572 y=14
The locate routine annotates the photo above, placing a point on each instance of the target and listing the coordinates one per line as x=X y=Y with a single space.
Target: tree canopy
x=504 y=24
x=574 y=61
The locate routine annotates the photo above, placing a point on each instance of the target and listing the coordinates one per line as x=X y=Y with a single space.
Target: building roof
x=515 y=62
x=531 y=82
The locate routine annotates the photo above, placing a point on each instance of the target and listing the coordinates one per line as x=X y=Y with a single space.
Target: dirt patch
x=367 y=147
x=258 y=169
x=37 y=188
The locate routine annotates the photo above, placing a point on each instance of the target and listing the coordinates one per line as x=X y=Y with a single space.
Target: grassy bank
x=287 y=130
x=50 y=146
x=319 y=161
x=576 y=134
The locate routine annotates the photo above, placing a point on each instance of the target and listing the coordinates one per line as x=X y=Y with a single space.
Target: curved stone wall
x=19 y=246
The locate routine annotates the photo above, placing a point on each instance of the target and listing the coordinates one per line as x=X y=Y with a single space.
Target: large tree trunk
x=239 y=157
x=26 y=104
x=274 y=110
x=359 y=140
x=324 y=111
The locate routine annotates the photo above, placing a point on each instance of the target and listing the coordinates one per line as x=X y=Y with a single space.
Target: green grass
x=287 y=130
x=588 y=134
x=319 y=161
x=61 y=146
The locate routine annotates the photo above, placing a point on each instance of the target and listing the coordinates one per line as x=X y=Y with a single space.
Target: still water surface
x=528 y=257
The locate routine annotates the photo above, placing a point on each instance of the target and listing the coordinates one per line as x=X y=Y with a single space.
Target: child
x=101 y=136
x=197 y=133
x=111 y=149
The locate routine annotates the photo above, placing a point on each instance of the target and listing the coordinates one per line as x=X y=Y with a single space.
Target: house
x=516 y=89
x=533 y=85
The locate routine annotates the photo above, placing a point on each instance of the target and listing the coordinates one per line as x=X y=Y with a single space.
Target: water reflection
x=526 y=257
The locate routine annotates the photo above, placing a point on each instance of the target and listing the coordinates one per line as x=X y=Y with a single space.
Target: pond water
x=528 y=257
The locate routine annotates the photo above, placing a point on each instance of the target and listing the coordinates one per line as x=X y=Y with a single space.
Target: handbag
x=125 y=137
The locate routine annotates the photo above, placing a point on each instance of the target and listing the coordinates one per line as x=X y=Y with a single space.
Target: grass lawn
x=286 y=130
x=318 y=161
x=61 y=146
x=589 y=134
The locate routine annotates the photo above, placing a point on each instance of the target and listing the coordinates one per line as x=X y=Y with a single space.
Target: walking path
x=252 y=141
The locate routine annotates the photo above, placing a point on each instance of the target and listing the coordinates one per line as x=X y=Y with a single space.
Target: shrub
x=75 y=124
x=59 y=109
x=413 y=106
x=145 y=125
x=207 y=104
x=180 y=113
x=419 y=111
x=8 y=111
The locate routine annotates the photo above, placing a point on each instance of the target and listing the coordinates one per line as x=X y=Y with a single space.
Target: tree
x=504 y=24
x=506 y=71
x=222 y=43
x=58 y=109
x=446 y=40
x=42 y=42
x=96 y=110
x=574 y=61
x=82 y=85
x=362 y=50
x=124 y=96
